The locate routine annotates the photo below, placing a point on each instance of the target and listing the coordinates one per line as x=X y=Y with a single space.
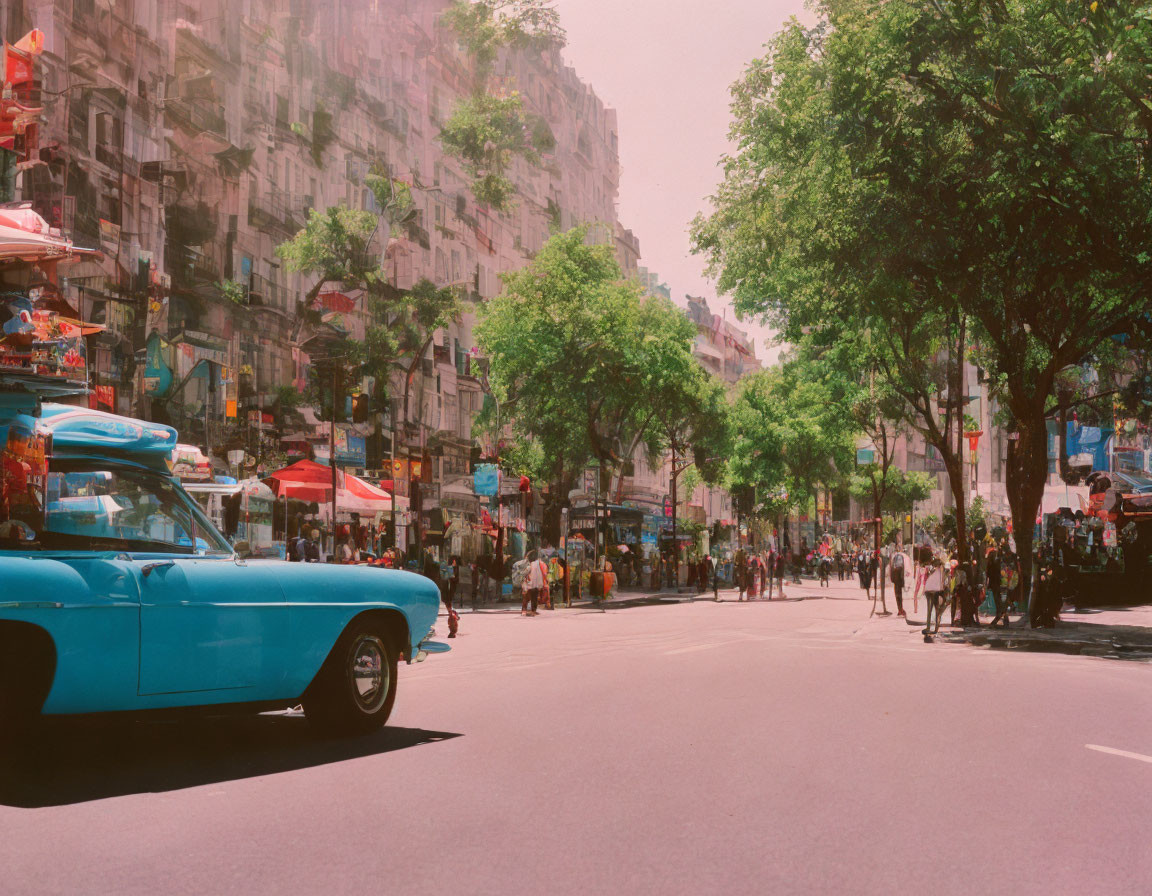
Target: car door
x=211 y=624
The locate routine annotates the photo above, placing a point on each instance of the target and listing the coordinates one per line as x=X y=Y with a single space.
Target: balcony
x=273 y=208
x=106 y=155
x=197 y=117
x=192 y=266
x=267 y=294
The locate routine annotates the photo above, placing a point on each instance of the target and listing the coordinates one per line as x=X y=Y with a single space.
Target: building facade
x=188 y=140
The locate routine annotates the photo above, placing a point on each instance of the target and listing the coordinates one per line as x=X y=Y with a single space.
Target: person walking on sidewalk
x=896 y=573
x=935 y=597
x=780 y=573
x=992 y=571
x=739 y=571
x=534 y=583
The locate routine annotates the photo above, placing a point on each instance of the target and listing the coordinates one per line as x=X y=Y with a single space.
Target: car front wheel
x=356 y=688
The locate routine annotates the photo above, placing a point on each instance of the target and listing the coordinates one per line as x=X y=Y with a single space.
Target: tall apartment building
x=189 y=138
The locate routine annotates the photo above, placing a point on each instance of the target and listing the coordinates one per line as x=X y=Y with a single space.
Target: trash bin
x=596 y=584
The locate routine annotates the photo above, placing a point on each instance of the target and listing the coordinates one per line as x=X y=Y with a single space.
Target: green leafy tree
x=487 y=133
x=341 y=245
x=577 y=356
x=981 y=163
x=484 y=27
x=490 y=128
x=793 y=437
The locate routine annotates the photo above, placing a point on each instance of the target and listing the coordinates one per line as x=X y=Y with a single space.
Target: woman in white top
x=935 y=596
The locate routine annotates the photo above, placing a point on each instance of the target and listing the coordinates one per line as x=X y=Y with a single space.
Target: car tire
x=356 y=687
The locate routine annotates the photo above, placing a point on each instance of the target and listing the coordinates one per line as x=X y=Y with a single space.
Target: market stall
x=306 y=480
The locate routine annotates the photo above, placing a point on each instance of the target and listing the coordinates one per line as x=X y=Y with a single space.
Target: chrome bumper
x=427 y=647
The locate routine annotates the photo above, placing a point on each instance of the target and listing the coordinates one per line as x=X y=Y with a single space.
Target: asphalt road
x=702 y=748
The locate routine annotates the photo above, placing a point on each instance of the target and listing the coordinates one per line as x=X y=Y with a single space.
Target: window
x=80 y=504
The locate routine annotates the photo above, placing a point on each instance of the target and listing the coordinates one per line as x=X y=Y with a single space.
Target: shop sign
x=109 y=237
x=485 y=480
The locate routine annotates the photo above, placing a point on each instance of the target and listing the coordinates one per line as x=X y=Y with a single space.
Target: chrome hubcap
x=369 y=673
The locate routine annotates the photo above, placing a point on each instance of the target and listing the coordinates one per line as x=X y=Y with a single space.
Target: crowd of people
x=988 y=582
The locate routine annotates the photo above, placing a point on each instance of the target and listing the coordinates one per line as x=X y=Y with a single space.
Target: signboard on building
x=485 y=480
x=353 y=453
x=109 y=237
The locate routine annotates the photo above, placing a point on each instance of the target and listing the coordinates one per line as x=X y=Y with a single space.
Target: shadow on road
x=79 y=760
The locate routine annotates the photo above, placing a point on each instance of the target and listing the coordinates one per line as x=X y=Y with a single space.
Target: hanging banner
x=485 y=480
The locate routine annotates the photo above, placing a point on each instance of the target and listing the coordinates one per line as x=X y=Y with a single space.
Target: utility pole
x=332 y=447
x=675 y=544
x=392 y=457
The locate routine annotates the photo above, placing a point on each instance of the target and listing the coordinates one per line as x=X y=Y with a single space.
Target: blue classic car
x=118 y=594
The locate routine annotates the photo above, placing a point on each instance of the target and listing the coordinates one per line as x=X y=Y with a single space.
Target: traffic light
x=361 y=408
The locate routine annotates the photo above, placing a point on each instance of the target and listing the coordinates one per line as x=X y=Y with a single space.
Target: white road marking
x=696 y=647
x=1116 y=752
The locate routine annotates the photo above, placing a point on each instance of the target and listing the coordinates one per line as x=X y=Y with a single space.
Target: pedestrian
x=780 y=574
x=739 y=568
x=825 y=569
x=765 y=575
x=992 y=572
x=896 y=573
x=535 y=582
x=431 y=570
x=348 y=553
x=453 y=578
x=935 y=597
x=862 y=572
x=312 y=548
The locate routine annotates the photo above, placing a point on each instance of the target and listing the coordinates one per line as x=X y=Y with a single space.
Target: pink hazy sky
x=666 y=67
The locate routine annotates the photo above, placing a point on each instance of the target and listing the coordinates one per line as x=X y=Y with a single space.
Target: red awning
x=306 y=480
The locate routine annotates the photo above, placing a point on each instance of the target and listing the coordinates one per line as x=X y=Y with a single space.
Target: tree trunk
x=1029 y=473
x=955 y=465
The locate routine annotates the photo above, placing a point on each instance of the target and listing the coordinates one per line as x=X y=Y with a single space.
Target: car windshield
x=99 y=506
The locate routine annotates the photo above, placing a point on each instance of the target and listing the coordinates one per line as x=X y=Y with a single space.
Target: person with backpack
x=896 y=574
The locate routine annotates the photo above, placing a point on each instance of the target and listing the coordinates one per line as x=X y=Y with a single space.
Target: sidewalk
x=1115 y=632
x=1112 y=632
x=808 y=589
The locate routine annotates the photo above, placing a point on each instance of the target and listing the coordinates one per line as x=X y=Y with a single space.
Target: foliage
x=977 y=515
x=393 y=199
x=288 y=398
x=690 y=479
x=903 y=488
x=793 y=436
x=233 y=291
x=577 y=355
x=486 y=26
x=486 y=133
x=950 y=163
x=334 y=246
